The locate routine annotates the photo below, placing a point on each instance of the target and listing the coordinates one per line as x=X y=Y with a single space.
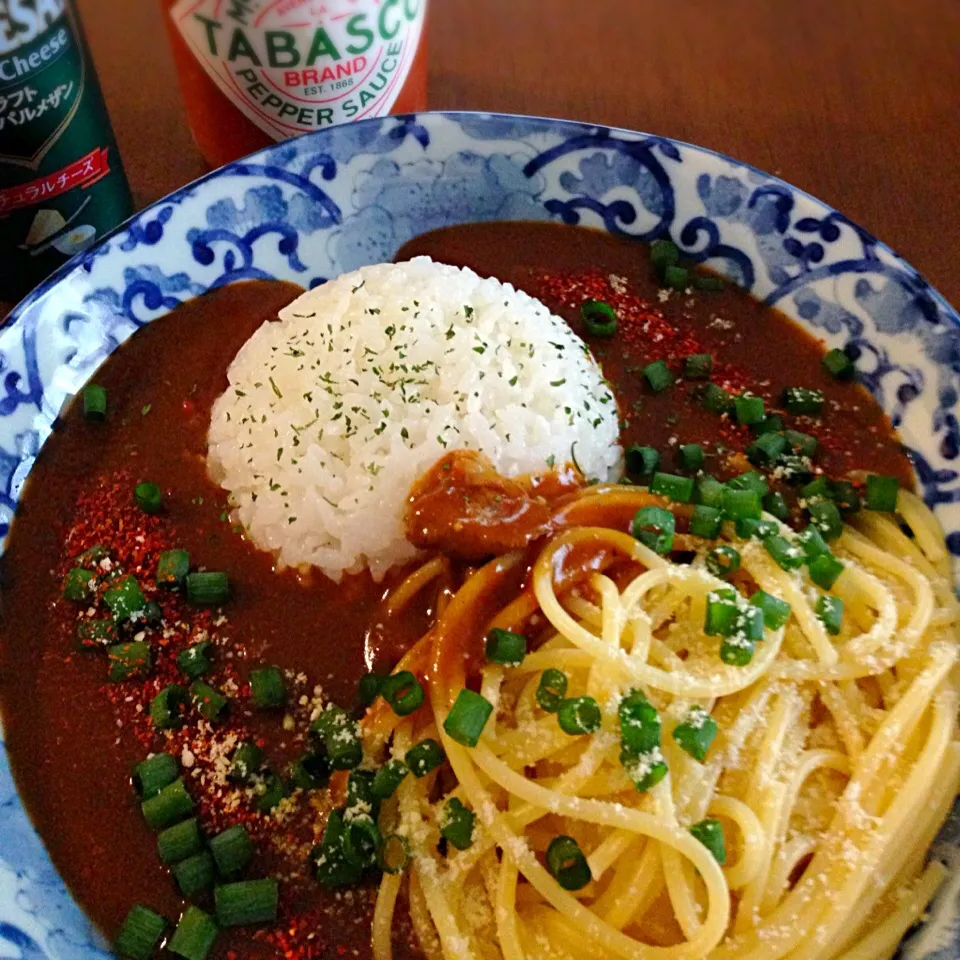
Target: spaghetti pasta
x=783 y=802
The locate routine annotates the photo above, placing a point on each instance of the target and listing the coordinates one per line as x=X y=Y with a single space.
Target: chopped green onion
x=707 y=282
x=663 y=254
x=210 y=702
x=794 y=469
x=676 y=278
x=129 y=660
x=311 y=771
x=168 y=706
x=599 y=318
x=424 y=757
x=698 y=366
x=746 y=527
x=403 y=692
x=776 y=612
x=766 y=448
x=94 y=402
x=845 y=496
x=721 y=614
x=360 y=794
x=153 y=613
x=803 y=402
x=551 y=690
x=819 y=489
x=658 y=376
x=141 y=932
x=882 y=493
x=232 y=851
x=825 y=570
x=78 y=584
x=125 y=599
x=96 y=553
x=771 y=423
x=801 y=443
x=369 y=688
x=709 y=492
x=830 y=613
x=388 y=778
x=691 y=456
x=457 y=824
x=646 y=770
x=148 y=496
x=96 y=634
x=696 y=733
x=736 y=649
x=180 y=841
x=361 y=840
x=167 y=806
x=467 y=718
x=716 y=399
x=742 y=504
x=787 y=555
x=207 y=589
x=705 y=522
x=246 y=902
x=567 y=864
x=247 y=760
x=579 y=715
x=153 y=774
x=268 y=691
x=751 y=623
x=195 y=661
x=710 y=833
x=333 y=869
x=679 y=489
x=749 y=408
x=751 y=480
x=505 y=647
x=723 y=561
x=639 y=725
x=776 y=506
x=761 y=529
x=272 y=790
x=838 y=365
x=764 y=529
x=654 y=527
x=394 y=853
x=341 y=737
x=642 y=461
x=172 y=568
x=825 y=517
x=195 y=934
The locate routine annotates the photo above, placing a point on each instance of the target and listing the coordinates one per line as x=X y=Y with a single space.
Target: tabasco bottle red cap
x=257 y=71
x=61 y=182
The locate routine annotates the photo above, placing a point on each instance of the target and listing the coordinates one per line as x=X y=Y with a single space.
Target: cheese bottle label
x=61 y=182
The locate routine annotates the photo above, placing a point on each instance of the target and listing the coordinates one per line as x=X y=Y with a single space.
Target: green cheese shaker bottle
x=61 y=181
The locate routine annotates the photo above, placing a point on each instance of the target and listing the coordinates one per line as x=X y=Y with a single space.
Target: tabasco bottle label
x=292 y=66
x=61 y=182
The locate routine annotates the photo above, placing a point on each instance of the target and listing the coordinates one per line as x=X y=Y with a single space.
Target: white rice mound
x=363 y=383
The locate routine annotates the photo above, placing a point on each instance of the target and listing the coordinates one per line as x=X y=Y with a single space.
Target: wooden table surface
x=855 y=101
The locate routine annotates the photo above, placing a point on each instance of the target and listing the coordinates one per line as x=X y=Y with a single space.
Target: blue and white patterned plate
x=332 y=201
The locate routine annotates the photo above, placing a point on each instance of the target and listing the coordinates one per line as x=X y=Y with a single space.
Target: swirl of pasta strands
x=837 y=758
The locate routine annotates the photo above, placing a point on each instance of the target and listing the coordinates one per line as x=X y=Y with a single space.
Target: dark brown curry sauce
x=70 y=757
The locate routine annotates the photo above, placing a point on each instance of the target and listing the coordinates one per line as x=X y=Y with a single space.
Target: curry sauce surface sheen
x=70 y=757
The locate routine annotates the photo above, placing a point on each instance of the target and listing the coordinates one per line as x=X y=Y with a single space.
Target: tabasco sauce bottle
x=61 y=182
x=256 y=71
